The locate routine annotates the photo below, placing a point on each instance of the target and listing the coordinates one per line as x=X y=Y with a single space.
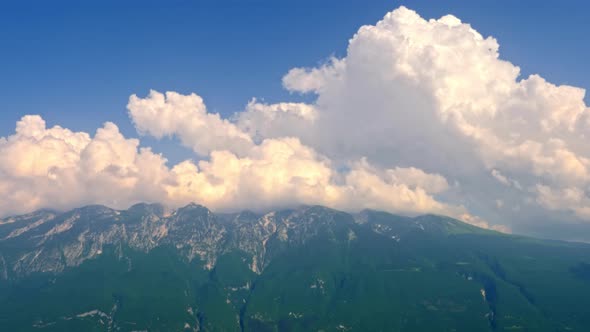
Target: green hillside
x=309 y=269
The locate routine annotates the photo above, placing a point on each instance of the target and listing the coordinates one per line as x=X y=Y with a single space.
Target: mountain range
x=306 y=269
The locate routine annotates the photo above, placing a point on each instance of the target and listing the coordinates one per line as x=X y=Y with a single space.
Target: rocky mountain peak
x=50 y=242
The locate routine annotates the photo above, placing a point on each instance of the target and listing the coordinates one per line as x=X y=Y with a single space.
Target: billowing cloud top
x=420 y=116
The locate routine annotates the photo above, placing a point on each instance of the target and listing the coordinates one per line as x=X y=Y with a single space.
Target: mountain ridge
x=307 y=268
x=157 y=218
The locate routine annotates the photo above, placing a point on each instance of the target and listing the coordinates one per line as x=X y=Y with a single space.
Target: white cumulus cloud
x=186 y=117
x=435 y=94
x=281 y=171
x=58 y=168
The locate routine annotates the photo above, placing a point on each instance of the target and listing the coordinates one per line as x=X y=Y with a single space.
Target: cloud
x=315 y=79
x=275 y=120
x=281 y=171
x=58 y=168
x=570 y=198
x=433 y=183
x=505 y=180
x=418 y=116
x=186 y=117
x=435 y=94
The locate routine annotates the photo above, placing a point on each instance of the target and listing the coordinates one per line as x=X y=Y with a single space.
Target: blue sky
x=77 y=63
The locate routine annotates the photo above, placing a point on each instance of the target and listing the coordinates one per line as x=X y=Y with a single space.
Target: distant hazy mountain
x=308 y=269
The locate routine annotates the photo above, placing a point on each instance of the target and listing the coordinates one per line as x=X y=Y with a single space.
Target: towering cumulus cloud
x=420 y=116
x=59 y=168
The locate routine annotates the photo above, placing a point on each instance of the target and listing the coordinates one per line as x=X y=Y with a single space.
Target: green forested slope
x=320 y=270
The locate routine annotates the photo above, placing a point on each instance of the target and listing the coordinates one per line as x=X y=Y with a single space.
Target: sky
x=77 y=63
x=364 y=122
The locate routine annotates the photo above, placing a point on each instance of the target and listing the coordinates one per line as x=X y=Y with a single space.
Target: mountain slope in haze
x=307 y=269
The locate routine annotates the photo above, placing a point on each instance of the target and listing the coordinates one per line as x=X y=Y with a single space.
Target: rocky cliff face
x=48 y=241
